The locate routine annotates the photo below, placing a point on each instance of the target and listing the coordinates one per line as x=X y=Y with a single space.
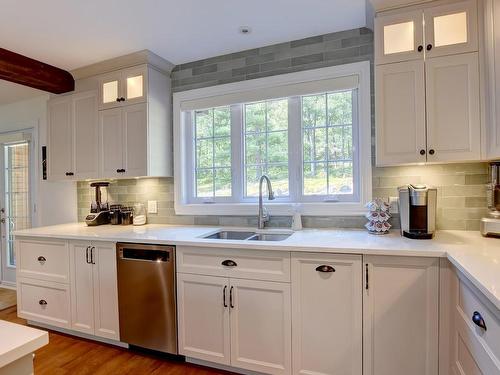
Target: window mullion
x=237 y=149
x=294 y=144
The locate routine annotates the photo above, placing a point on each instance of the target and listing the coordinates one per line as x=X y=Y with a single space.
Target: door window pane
x=17 y=193
x=109 y=92
x=399 y=37
x=266 y=146
x=135 y=87
x=327 y=143
x=212 y=141
x=450 y=29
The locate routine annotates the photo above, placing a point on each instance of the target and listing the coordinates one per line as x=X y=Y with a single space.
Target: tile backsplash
x=461 y=198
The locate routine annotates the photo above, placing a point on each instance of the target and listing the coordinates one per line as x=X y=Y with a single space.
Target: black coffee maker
x=417 y=211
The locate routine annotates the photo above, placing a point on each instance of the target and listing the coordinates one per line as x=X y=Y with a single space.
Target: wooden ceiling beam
x=29 y=72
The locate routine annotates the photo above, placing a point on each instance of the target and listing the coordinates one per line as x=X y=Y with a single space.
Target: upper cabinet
x=125 y=87
x=120 y=130
x=427 y=85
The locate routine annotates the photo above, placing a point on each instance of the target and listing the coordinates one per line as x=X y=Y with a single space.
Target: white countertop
x=18 y=341
x=475 y=256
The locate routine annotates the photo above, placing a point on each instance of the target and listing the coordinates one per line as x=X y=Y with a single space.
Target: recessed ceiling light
x=245 y=30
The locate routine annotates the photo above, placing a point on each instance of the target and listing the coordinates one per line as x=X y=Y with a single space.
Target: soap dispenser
x=296 y=218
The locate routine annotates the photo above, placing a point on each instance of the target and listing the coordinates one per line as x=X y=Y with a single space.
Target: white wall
x=56 y=201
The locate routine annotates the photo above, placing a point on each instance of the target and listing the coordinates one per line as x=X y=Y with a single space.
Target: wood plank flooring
x=7 y=298
x=65 y=355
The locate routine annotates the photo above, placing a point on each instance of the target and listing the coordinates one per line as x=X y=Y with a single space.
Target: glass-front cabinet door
x=110 y=90
x=399 y=37
x=451 y=29
x=134 y=82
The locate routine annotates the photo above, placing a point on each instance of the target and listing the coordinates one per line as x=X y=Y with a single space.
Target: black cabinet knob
x=422 y=152
x=431 y=152
x=478 y=320
x=420 y=48
x=118 y=100
x=41 y=259
x=42 y=302
x=229 y=263
x=325 y=268
x=70 y=174
x=429 y=47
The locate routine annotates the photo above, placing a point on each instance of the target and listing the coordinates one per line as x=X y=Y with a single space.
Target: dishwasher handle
x=145 y=254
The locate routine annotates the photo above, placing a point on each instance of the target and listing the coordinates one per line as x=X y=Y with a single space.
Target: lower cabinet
x=242 y=323
x=327 y=314
x=400 y=315
x=94 y=290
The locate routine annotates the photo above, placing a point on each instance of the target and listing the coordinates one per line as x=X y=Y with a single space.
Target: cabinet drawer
x=482 y=345
x=249 y=264
x=44 y=302
x=43 y=260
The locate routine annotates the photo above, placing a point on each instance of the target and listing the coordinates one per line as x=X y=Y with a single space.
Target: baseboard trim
x=218 y=366
x=79 y=334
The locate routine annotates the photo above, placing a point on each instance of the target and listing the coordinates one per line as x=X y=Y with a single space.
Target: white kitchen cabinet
x=400 y=315
x=94 y=289
x=203 y=315
x=327 y=314
x=111 y=142
x=260 y=326
x=72 y=137
x=400 y=115
x=123 y=87
x=453 y=108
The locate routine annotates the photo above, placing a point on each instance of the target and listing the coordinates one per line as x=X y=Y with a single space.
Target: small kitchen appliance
x=417 y=210
x=99 y=210
x=490 y=225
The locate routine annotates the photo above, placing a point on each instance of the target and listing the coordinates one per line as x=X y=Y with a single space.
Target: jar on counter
x=127 y=215
x=139 y=214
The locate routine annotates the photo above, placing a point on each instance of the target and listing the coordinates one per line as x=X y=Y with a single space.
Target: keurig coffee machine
x=417 y=211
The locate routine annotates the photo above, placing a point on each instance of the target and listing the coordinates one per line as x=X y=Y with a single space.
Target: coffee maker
x=417 y=211
x=99 y=210
x=490 y=225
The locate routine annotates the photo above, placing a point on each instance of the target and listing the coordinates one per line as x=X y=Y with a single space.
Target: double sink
x=247 y=236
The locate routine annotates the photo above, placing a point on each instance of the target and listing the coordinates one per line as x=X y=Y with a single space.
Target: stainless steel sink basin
x=270 y=237
x=230 y=235
x=247 y=236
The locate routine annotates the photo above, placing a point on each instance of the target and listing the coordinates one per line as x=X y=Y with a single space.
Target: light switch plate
x=393 y=203
x=152 y=207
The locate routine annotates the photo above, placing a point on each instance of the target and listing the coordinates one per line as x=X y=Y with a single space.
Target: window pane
x=328 y=148
x=212 y=130
x=266 y=145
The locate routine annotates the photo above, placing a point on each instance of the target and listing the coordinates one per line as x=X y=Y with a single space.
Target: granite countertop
x=475 y=256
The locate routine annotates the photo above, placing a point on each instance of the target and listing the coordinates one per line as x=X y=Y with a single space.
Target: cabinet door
x=493 y=52
x=451 y=29
x=135 y=133
x=400 y=315
x=110 y=90
x=399 y=37
x=453 y=112
x=85 y=136
x=203 y=315
x=105 y=291
x=400 y=121
x=82 y=292
x=327 y=314
x=260 y=326
x=111 y=142
x=135 y=84
x=60 y=139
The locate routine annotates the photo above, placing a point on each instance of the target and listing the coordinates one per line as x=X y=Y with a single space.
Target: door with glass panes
x=15 y=196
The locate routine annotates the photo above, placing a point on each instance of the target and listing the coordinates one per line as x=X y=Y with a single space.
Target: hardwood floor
x=65 y=355
x=7 y=298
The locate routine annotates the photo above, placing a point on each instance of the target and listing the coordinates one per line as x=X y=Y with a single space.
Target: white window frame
x=183 y=163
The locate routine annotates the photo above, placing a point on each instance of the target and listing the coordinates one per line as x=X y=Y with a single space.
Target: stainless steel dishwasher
x=146 y=296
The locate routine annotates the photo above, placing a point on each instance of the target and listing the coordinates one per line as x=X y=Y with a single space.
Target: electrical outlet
x=152 y=207
x=393 y=203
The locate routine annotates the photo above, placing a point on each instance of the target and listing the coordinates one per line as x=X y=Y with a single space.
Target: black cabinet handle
x=118 y=100
x=366 y=272
x=70 y=174
x=224 y=296
x=41 y=259
x=429 y=47
x=325 y=268
x=478 y=320
x=231 y=298
x=431 y=152
x=422 y=152
x=42 y=302
x=121 y=170
x=229 y=263
x=92 y=261
x=420 y=48
x=87 y=259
